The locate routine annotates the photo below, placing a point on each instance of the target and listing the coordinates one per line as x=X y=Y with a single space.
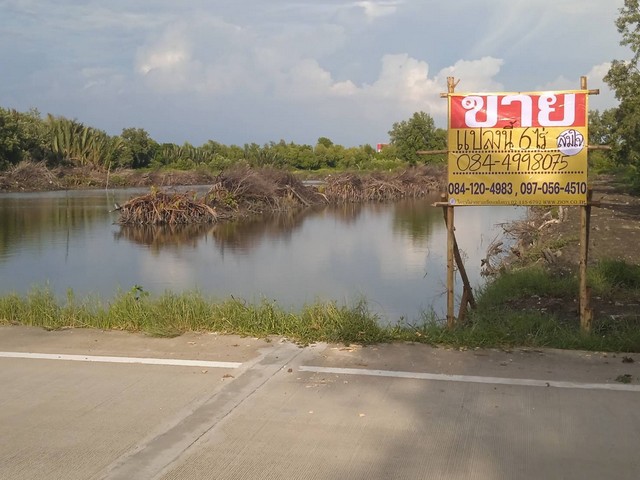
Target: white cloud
x=475 y=75
x=324 y=67
x=595 y=81
x=373 y=10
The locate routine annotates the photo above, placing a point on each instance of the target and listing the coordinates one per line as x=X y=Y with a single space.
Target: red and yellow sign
x=518 y=148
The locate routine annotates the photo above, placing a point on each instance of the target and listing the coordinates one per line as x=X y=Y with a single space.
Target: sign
x=518 y=148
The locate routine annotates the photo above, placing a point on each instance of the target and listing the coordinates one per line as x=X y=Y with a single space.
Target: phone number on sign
x=526 y=188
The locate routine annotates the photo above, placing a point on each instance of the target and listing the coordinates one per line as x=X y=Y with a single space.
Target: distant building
x=380 y=146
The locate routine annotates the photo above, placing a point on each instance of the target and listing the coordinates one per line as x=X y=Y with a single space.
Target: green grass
x=507 y=314
x=502 y=320
x=611 y=276
x=526 y=282
x=173 y=314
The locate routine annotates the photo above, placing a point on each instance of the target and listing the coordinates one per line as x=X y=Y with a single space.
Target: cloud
x=346 y=70
x=475 y=75
x=285 y=68
x=595 y=81
x=374 y=10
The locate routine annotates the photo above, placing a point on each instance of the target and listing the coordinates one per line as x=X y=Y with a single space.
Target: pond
x=393 y=255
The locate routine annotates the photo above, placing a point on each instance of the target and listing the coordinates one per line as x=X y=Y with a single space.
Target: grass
x=511 y=310
x=173 y=314
x=507 y=315
x=611 y=276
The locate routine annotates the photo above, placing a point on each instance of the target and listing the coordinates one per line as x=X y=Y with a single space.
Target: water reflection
x=157 y=237
x=412 y=218
x=34 y=221
x=392 y=254
x=241 y=236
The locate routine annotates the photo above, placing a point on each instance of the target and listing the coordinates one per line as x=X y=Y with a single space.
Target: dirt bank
x=551 y=238
x=37 y=177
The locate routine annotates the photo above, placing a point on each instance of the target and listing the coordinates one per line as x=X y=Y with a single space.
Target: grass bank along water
x=496 y=324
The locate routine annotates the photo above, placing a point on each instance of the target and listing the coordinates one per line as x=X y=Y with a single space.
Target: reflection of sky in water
x=394 y=255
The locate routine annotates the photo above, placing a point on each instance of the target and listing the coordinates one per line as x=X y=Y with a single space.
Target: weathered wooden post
x=451 y=318
x=586 y=314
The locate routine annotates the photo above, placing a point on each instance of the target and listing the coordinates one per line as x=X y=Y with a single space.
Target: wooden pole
x=467 y=294
x=451 y=318
x=586 y=314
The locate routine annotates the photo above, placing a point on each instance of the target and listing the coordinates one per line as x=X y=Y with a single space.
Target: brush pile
x=160 y=208
x=245 y=191
x=30 y=176
x=254 y=191
x=380 y=187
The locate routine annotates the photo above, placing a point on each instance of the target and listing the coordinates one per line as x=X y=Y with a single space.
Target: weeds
x=507 y=316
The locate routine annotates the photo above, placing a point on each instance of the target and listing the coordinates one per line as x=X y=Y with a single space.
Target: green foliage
x=23 y=136
x=59 y=140
x=140 y=148
x=624 y=78
x=73 y=142
x=417 y=133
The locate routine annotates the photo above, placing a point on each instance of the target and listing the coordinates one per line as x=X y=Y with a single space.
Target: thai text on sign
x=518 y=148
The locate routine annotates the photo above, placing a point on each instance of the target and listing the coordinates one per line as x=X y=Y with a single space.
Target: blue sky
x=242 y=71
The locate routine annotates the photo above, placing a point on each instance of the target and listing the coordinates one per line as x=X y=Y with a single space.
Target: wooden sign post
x=516 y=148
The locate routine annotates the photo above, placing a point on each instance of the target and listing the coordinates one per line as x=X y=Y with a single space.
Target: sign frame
x=518 y=148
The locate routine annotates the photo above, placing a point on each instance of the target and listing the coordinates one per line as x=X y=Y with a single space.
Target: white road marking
x=527 y=382
x=106 y=359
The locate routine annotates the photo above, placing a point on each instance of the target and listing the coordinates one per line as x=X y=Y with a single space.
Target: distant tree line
x=58 y=140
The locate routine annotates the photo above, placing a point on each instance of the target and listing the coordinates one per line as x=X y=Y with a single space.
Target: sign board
x=518 y=148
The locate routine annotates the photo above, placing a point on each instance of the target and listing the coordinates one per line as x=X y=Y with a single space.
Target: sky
x=244 y=71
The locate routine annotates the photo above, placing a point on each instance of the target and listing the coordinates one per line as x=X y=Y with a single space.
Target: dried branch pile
x=378 y=187
x=254 y=191
x=160 y=208
x=246 y=191
x=27 y=175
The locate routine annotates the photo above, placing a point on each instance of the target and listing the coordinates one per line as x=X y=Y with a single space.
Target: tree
x=624 y=78
x=23 y=136
x=602 y=126
x=71 y=141
x=325 y=142
x=141 y=147
x=417 y=133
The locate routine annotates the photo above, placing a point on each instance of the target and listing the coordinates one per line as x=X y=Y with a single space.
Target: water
x=394 y=255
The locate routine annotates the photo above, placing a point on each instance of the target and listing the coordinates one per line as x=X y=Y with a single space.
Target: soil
x=30 y=177
x=614 y=234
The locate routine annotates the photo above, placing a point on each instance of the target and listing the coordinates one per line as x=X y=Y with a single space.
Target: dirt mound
x=29 y=176
x=37 y=177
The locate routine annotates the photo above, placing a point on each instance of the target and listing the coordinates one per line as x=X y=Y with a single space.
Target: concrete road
x=85 y=404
